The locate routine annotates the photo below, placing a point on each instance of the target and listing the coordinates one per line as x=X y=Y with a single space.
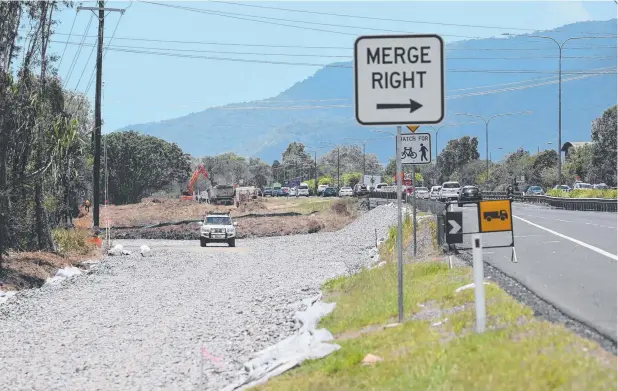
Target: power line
x=331 y=65
x=104 y=53
x=67 y=43
x=79 y=50
x=331 y=47
x=248 y=18
x=313 y=55
x=489 y=92
x=381 y=19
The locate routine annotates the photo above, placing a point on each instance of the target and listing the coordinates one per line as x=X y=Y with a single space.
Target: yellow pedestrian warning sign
x=495 y=216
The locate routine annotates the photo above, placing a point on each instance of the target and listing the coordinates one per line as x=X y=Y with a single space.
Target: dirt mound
x=252 y=205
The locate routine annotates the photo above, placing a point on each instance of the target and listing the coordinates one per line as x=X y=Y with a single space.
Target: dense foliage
x=139 y=165
x=44 y=132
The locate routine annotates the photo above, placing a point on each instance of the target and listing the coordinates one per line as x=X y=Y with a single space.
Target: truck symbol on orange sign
x=502 y=215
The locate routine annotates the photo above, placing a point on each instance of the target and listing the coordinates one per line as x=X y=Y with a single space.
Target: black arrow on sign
x=413 y=106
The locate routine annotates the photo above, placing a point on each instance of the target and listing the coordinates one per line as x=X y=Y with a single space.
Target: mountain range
x=483 y=77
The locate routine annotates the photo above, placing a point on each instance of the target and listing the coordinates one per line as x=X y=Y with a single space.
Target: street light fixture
x=315 y=170
x=487 y=129
x=560 y=47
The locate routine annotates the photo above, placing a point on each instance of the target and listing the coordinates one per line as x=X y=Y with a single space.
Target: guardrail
x=580 y=204
x=577 y=204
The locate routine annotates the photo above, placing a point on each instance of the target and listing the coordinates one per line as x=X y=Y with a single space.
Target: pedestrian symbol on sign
x=423 y=152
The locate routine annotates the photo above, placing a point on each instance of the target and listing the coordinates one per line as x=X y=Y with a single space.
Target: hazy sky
x=143 y=87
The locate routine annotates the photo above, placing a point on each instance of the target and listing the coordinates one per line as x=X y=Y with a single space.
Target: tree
x=351 y=178
x=579 y=163
x=456 y=154
x=139 y=165
x=604 y=149
x=260 y=172
x=40 y=139
x=542 y=162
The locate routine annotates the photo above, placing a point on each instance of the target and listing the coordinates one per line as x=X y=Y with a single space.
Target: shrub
x=72 y=241
x=584 y=193
x=340 y=207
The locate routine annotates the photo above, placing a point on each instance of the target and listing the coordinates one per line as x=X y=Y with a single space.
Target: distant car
x=422 y=193
x=321 y=189
x=562 y=187
x=282 y=192
x=293 y=192
x=330 y=192
x=302 y=190
x=346 y=191
x=535 y=190
x=435 y=192
x=449 y=191
x=268 y=191
x=360 y=190
x=469 y=194
x=601 y=186
x=582 y=185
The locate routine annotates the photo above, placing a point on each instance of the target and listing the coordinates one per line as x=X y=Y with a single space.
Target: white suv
x=303 y=190
x=449 y=191
x=218 y=228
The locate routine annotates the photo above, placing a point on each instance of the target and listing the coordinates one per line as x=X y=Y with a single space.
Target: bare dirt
x=334 y=216
x=31 y=269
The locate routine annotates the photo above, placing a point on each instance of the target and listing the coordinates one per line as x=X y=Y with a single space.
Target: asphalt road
x=566 y=257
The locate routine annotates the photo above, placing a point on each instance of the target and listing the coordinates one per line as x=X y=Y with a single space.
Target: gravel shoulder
x=138 y=322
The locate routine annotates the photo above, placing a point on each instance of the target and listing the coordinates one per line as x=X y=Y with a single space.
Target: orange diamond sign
x=413 y=128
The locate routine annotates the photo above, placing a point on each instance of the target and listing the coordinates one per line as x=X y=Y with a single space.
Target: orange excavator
x=188 y=195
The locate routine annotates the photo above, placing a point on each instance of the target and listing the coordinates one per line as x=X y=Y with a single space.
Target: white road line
x=588 y=246
x=569 y=221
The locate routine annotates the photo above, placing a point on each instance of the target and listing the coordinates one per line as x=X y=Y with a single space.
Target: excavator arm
x=201 y=170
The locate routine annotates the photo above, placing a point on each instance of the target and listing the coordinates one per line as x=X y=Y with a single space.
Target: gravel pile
x=180 y=318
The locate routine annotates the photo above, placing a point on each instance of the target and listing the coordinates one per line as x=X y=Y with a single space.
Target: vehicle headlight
x=230 y=229
x=205 y=229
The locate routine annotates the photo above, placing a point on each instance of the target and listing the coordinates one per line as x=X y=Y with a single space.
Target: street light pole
x=487 y=130
x=560 y=47
x=336 y=146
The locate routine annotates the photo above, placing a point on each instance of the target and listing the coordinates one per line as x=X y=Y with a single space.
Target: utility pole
x=97 y=110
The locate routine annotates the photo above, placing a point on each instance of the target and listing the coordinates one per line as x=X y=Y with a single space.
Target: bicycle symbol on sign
x=408 y=152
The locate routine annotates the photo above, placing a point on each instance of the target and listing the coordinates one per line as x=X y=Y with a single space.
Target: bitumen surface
x=568 y=258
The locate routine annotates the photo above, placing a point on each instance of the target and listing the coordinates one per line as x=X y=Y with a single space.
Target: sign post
x=399 y=80
x=399 y=231
x=479 y=287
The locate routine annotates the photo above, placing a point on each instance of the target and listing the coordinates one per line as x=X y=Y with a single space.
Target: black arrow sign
x=413 y=106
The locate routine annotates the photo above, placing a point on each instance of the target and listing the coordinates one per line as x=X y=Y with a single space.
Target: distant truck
x=222 y=195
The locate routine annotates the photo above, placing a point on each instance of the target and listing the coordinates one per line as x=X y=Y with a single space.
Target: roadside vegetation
x=584 y=193
x=437 y=347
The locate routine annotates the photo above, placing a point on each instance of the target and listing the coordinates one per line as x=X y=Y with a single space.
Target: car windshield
x=346 y=188
x=303 y=187
x=471 y=189
x=535 y=188
x=453 y=185
x=218 y=220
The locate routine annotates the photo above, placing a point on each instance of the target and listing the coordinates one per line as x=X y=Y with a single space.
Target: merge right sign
x=495 y=216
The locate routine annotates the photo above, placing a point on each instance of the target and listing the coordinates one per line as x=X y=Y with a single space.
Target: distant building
x=569 y=145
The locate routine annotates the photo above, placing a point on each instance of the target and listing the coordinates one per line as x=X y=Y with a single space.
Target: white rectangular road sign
x=399 y=79
x=415 y=148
